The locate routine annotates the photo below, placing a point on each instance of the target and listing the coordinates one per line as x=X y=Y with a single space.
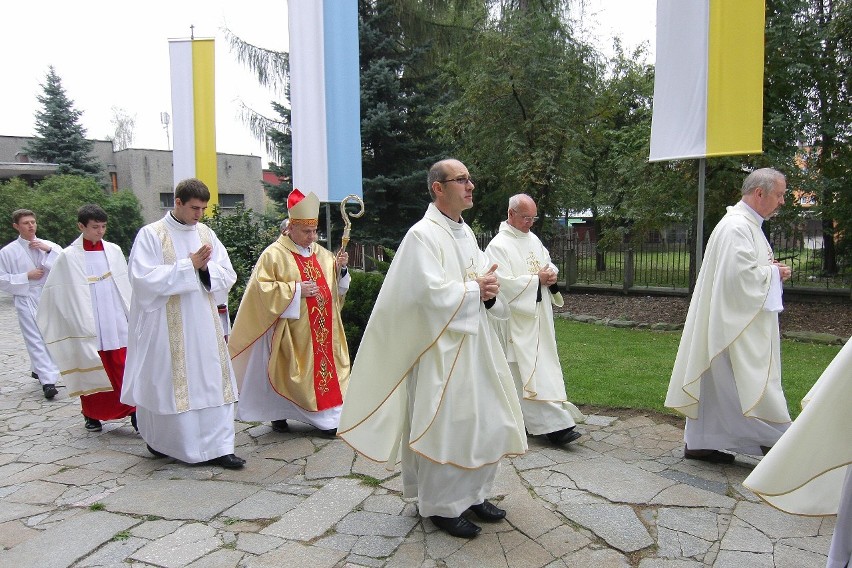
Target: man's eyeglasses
x=458 y=180
x=527 y=218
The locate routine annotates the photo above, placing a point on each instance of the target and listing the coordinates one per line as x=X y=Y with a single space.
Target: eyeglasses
x=458 y=180
x=527 y=218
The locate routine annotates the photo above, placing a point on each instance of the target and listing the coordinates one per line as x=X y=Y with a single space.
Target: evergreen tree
x=60 y=138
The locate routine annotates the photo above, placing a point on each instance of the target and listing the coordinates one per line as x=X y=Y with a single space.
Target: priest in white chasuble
x=528 y=286
x=288 y=344
x=430 y=386
x=82 y=316
x=25 y=264
x=727 y=373
x=178 y=372
x=809 y=470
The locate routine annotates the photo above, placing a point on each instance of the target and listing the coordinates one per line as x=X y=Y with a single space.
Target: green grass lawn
x=630 y=368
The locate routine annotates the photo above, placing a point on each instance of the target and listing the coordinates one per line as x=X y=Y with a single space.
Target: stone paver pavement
x=623 y=496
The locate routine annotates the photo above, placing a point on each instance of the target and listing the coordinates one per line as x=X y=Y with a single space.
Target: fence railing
x=659 y=265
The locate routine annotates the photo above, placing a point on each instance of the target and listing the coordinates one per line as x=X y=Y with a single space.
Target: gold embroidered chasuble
x=309 y=360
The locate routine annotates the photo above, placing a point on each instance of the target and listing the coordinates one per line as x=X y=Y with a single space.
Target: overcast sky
x=110 y=54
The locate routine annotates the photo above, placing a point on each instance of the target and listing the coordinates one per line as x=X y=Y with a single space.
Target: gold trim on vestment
x=174 y=323
x=93 y=279
x=78 y=370
x=305 y=222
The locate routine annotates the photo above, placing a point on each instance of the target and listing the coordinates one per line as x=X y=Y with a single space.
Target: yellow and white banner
x=708 y=86
x=194 y=112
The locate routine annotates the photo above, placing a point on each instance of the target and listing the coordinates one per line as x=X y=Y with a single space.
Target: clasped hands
x=488 y=285
x=201 y=257
x=783 y=270
x=547 y=276
x=309 y=288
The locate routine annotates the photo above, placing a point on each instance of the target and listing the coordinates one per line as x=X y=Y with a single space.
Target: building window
x=230 y=200
x=167 y=200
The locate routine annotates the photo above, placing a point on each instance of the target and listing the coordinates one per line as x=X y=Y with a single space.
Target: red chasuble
x=326 y=387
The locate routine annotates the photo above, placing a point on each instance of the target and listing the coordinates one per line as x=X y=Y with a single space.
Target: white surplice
x=727 y=374
x=83 y=310
x=809 y=470
x=16 y=259
x=178 y=372
x=430 y=386
x=529 y=337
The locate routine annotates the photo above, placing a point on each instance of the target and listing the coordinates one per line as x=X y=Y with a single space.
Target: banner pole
x=699 y=217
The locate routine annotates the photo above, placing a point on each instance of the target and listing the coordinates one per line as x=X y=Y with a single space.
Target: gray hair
x=516 y=199
x=765 y=178
x=284 y=224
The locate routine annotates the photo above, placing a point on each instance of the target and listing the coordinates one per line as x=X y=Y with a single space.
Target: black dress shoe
x=280 y=426
x=456 y=526
x=155 y=453
x=93 y=425
x=488 y=511
x=49 y=391
x=34 y=375
x=133 y=421
x=228 y=461
x=331 y=432
x=562 y=437
x=711 y=456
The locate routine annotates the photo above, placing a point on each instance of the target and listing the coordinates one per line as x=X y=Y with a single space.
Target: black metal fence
x=657 y=265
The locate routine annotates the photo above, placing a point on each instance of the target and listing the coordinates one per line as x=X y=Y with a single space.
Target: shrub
x=363 y=291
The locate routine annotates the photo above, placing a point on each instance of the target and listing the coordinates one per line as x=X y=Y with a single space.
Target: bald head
x=523 y=212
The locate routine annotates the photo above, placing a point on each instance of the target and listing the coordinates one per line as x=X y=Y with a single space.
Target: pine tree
x=60 y=138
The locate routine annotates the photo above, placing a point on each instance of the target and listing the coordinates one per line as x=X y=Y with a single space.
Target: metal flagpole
x=699 y=222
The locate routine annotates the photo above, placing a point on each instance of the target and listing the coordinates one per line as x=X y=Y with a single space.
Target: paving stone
x=715 y=486
x=257 y=543
x=288 y=451
x=774 y=523
x=484 y=551
x=599 y=420
x=335 y=541
x=79 y=536
x=334 y=460
x=599 y=558
x=791 y=557
x=368 y=467
x=155 y=529
x=618 y=525
x=408 y=554
x=187 y=544
x=681 y=495
x=697 y=522
x=219 y=559
x=378 y=524
x=668 y=563
x=529 y=515
x=320 y=511
x=563 y=540
x=615 y=480
x=529 y=554
x=730 y=559
x=375 y=546
x=112 y=553
x=178 y=499
x=745 y=538
x=12 y=533
x=389 y=504
x=11 y=511
x=295 y=554
x=263 y=505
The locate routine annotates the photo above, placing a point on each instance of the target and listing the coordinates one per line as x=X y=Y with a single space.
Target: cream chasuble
x=428 y=322
x=804 y=472
x=529 y=336
x=304 y=360
x=176 y=355
x=727 y=317
x=67 y=314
